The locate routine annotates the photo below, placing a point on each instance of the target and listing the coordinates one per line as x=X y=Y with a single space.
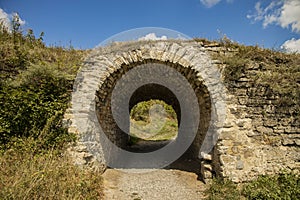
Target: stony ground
x=143 y=184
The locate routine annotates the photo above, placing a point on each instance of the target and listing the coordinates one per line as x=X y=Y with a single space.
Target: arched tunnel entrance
x=99 y=115
x=189 y=160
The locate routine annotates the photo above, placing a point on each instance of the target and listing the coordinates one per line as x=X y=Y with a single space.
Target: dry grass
x=26 y=174
x=143 y=130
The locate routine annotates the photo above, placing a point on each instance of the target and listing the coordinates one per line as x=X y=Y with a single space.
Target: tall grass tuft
x=26 y=174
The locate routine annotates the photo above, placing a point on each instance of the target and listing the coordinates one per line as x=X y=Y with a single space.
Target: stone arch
x=152 y=91
x=104 y=66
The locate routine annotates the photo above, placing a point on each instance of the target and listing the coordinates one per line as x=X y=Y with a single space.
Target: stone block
x=206 y=156
x=248 y=153
x=264 y=130
x=270 y=122
x=287 y=142
x=239 y=165
x=228 y=134
x=207 y=175
x=226 y=160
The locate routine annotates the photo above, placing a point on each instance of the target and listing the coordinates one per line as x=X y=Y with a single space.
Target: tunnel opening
x=189 y=161
x=153 y=124
x=150 y=93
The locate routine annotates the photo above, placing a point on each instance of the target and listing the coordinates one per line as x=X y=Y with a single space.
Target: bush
x=35 y=85
x=281 y=186
x=222 y=189
x=33 y=105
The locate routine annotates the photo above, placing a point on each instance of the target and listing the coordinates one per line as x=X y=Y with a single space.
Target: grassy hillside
x=153 y=120
x=35 y=86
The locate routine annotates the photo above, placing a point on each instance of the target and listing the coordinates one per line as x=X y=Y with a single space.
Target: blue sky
x=86 y=23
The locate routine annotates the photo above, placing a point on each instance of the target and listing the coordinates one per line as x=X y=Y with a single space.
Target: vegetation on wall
x=278 y=71
x=273 y=74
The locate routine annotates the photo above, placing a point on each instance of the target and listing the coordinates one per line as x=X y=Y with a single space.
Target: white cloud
x=211 y=3
x=290 y=15
x=152 y=36
x=285 y=13
x=6 y=19
x=292 y=46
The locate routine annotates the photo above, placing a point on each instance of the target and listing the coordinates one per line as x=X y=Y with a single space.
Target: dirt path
x=145 y=184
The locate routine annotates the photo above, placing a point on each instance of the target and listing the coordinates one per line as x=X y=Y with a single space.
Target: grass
x=268 y=187
x=153 y=120
x=168 y=130
x=26 y=174
x=35 y=87
x=282 y=186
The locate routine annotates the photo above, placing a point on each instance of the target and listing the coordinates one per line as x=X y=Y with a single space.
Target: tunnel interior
x=189 y=160
x=147 y=93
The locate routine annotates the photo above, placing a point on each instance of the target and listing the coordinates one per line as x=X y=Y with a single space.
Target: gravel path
x=143 y=184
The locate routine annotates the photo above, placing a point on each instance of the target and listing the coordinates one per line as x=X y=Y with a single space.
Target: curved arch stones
x=103 y=62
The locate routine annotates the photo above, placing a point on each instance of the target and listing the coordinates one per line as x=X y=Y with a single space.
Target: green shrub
x=33 y=104
x=282 y=186
x=35 y=85
x=222 y=189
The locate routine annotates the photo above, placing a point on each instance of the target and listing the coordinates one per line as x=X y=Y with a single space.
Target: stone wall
x=254 y=135
x=261 y=135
